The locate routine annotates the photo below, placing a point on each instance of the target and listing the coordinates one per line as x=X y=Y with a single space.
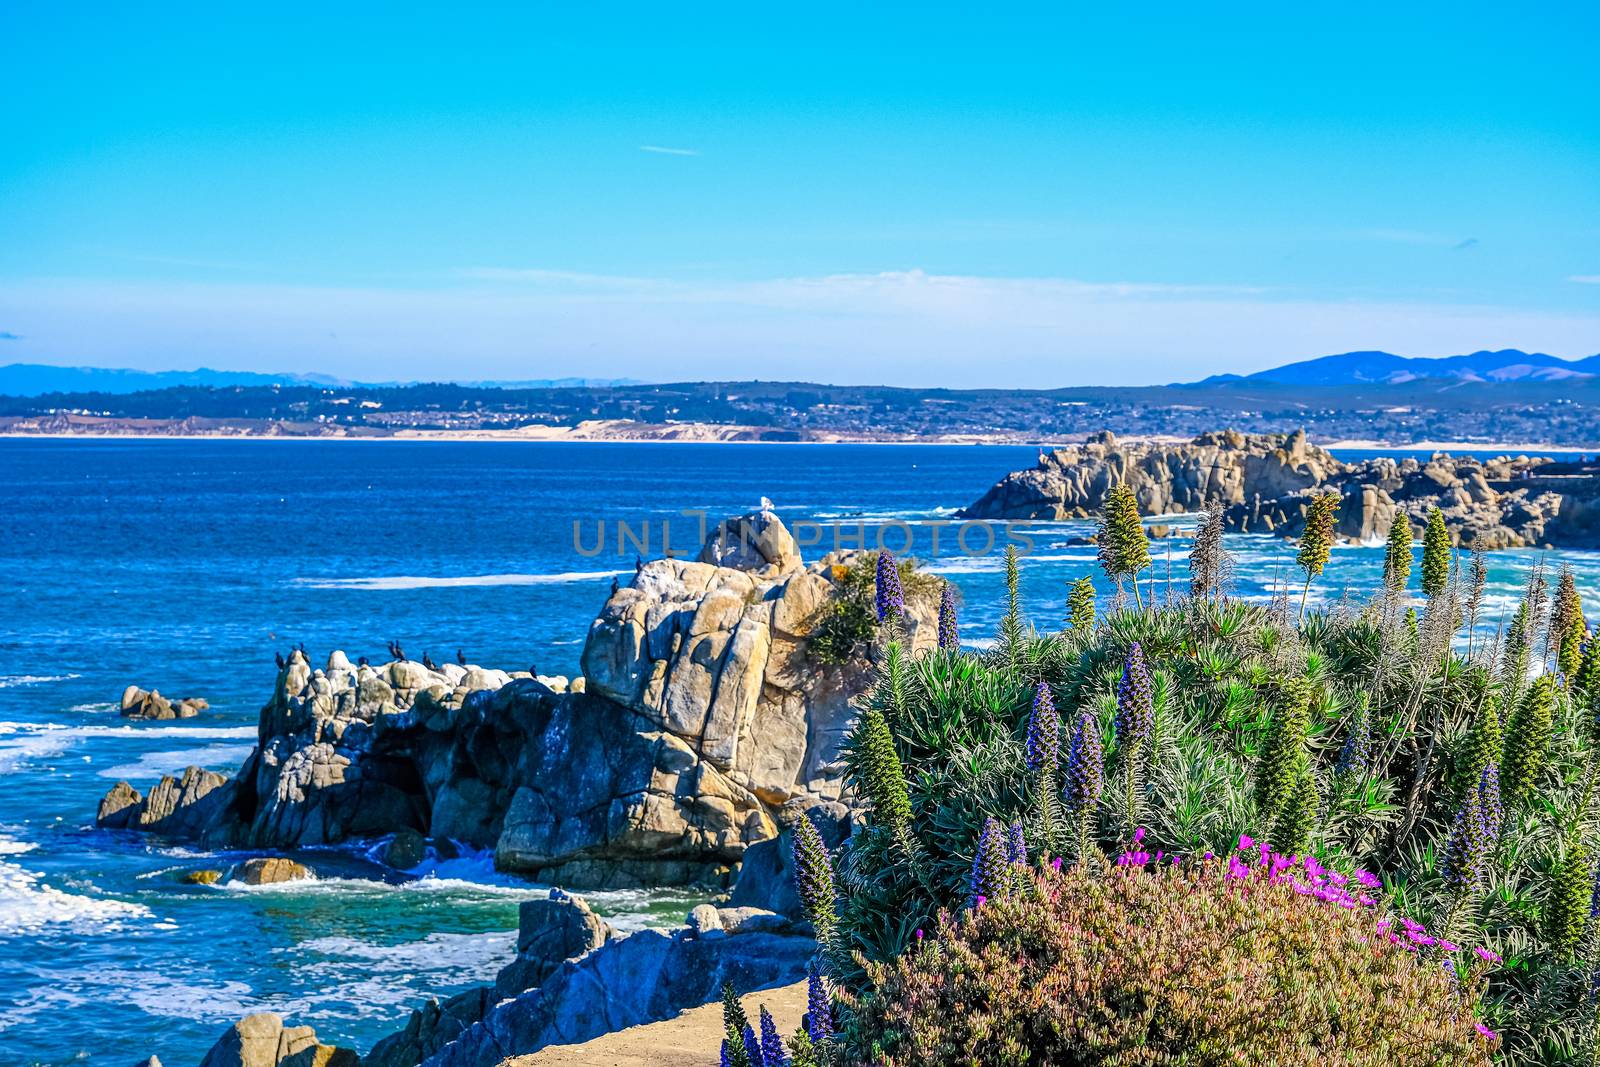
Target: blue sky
x=915 y=194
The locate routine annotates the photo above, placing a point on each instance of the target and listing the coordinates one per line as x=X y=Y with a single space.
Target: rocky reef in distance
x=1264 y=481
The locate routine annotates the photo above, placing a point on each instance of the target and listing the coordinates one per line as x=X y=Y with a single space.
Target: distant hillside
x=37 y=379
x=1385 y=368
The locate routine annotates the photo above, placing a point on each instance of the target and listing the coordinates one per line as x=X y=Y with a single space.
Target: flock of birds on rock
x=396 y=654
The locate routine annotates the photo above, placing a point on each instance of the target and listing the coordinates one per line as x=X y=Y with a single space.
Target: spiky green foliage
x=1587 y=679
x=1566 y=907
x=1013 y=633
x=1124 y=546
x=1514 y=659
x=1482 y=746
x=1435 y=554
x=1291 y=829
x=813 y=868
x=1567 y=630
x=1397 y=557
x=1080 y=605
x=1527 y=741
x=1210 y=564
x=875 y=767
x=1316 y=542
x=1283 y=754
x=736 y=1024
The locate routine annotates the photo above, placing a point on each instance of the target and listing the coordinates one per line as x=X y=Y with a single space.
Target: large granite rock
x=261 y=1040
x=1264 y=481
x=701 y=714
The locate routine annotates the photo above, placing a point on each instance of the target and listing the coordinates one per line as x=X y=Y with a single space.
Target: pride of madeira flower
x=890 y=597
x=1317 y=540
x=949 y=640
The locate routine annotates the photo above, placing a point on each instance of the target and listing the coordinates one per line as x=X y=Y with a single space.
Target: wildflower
x=813 y=875
x=891 y=600
x=1085 y=770
x=989 y=875
x=819 y=1007
x=1135 y=703
x=1284 y=751
x=1488 y=1034
x=752 y=1048
x=773 y=1054
x=948 y=638
x=1486 y=956
x=1016 y=845
x=1043 y=741
x=1356 y=753
x=1475 y=835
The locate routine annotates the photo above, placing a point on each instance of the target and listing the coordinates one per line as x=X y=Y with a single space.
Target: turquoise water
x=184 y=564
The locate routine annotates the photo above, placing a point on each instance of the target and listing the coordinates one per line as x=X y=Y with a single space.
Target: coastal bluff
x=1264 y=481
x=699 y=715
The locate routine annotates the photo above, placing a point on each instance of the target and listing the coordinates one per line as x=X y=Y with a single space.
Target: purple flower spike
x=1044 y=732
x=891 y=599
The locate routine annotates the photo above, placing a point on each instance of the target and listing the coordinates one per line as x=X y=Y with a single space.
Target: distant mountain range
x=1386 y=368
x=36 y=379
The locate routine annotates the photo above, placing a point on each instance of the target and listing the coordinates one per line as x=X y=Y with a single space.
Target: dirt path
x=688 y=1040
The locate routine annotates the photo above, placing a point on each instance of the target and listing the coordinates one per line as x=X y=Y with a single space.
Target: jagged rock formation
x=701 y=714
x=1264 y=481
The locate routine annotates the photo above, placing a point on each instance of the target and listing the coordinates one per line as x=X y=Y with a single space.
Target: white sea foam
x=25 y=742
x=28 y=905
x=7 y=681
x=410 y=581
x=155 y=764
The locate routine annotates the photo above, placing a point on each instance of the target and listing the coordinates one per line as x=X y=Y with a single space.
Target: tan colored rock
x=261 y=1040
x=269 y=870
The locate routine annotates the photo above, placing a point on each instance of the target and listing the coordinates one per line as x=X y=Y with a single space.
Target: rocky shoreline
x=702 y=726
x=1263 y=482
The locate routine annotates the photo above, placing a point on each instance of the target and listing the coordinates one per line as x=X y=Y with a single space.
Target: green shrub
x=1196 y=964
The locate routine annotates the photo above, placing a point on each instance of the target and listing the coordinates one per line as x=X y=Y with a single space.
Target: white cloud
x=898 y=327
x=1585 y=279
x=665 y=151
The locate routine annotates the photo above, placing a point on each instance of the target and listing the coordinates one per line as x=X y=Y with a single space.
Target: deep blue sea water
x=184 y=564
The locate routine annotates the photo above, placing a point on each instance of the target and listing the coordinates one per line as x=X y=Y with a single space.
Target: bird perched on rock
x=766 y=505
x=461 y=658
x=396 y=651
x=363 y=662
x=282 y=663
x=427 y=662
x=614 y=585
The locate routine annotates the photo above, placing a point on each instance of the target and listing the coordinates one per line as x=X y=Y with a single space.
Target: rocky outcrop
x=262 y=1040
x=551 y=931
x=642 y=978
x=700 y=716
x=1264 y=481
x=150 y=704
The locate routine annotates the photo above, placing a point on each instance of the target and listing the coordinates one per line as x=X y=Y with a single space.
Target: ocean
x=183 y=565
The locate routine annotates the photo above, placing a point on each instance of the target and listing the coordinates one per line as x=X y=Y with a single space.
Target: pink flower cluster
x=1309 y=877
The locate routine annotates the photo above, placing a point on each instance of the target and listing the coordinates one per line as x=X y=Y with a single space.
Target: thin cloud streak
x=1585 y=279
x=665 y=151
